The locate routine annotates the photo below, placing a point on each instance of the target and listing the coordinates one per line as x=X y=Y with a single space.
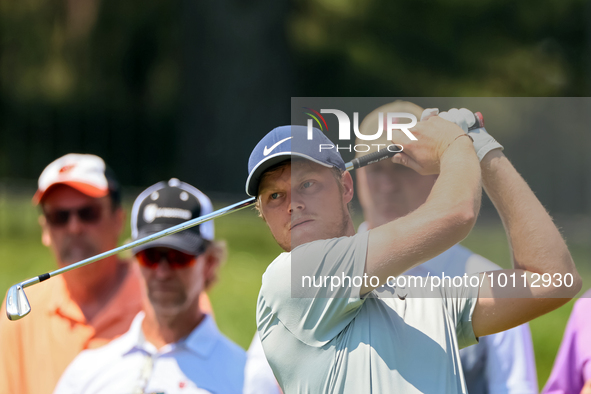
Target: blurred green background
x=162 y=88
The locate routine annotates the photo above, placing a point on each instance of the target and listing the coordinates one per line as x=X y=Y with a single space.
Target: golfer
x=172 y=346
x=372 y=338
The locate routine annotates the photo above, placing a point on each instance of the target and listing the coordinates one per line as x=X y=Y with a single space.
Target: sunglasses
x=150 y=258
x=90 y=214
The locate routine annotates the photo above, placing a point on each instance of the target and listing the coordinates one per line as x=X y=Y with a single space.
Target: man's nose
x=163 y=269
x=74 y=223
x=295 y=202
x=390 y=182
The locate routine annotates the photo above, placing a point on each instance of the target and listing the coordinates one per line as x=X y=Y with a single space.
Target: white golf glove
x=482 y=141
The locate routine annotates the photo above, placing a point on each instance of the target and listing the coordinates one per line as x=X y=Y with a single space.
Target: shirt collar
x=61 y=303
x=125 y=300
x=201 y=341
x=134 y=337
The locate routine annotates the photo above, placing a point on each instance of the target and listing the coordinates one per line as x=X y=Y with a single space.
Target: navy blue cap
x=281 y=144
x=168 y=204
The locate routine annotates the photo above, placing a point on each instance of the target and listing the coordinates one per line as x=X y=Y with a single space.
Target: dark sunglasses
x=150 y=258
x=90 y=214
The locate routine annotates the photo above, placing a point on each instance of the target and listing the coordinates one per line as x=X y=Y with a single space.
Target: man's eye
x=274 y=196
x=306 y=185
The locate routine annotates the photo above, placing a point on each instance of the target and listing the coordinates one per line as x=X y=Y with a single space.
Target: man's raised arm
x=545 y=274
x=449 y=213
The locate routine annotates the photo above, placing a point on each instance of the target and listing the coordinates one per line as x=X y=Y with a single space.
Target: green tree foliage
x=167 y=87
x=441 y=48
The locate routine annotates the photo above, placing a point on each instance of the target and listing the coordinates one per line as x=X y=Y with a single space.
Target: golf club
x=17 y=304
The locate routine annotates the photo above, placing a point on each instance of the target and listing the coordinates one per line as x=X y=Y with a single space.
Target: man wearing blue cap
x=361 y=336
x=172 y=345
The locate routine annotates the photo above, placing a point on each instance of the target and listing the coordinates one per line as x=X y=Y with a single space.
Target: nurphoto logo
x=388 y=122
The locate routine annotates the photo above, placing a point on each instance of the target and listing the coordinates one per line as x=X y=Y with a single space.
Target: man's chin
x=166 y=307
x=306 y=234
x=75 y=256
x=307 y=237
x=165 y=294
x=389 y=212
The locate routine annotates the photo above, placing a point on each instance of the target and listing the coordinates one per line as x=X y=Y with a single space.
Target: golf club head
x=17 y=304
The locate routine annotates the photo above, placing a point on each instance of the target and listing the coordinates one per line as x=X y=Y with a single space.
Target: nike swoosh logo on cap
x=267 y=151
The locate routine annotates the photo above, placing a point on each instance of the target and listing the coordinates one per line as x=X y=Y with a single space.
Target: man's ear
x=363 y=188
x=212 y=262
x=120 y=220
x=214 y=257
x=347 y=182
x=257 y=206
x=45 y=237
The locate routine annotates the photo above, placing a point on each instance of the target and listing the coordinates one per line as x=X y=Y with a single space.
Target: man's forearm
x=459 y=181
x=445 y=219
x=535 y=242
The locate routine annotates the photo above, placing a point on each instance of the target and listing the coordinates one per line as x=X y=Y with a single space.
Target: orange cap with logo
x=83 y=172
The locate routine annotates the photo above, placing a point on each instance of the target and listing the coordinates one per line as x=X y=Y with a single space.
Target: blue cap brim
x=185 y=241
x=254 y=178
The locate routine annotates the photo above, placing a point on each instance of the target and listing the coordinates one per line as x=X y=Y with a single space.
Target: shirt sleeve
x=575 y=352
x=510 y=363
x=258 y=375
x=300 y=289
x=460 y=302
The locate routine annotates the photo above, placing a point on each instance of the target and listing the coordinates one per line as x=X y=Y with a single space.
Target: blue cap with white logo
x=168 y=204
x=284 y=142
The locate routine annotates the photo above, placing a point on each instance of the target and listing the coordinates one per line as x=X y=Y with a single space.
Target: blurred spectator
x=82 y=216
x=499 y=363
x=171 y=346
x=258 y=376
x=572 y=367
x=80 y=200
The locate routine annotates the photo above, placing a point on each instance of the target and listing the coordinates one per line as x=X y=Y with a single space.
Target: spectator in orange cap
x=80 y=201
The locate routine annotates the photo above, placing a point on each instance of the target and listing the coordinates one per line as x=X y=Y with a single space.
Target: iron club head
x=17 y=304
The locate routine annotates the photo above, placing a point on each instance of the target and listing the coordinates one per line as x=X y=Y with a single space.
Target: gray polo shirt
x=389 y=341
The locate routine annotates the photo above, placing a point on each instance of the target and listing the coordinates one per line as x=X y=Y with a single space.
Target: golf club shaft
x=171 y=230
x=354 y=164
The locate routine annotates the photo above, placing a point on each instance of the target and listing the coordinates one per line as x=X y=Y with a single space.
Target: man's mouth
x=164 y=287
x=300 y=222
